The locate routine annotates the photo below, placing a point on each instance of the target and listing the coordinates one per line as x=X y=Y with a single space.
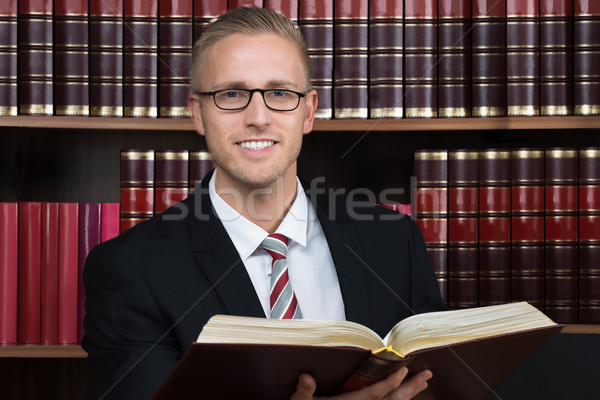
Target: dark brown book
x=71 y=58
x=386 y=59
x=269 y=355
x=200 y=164
x=556 y=57
x=420 y=59
x=204 y=12
x=137 y=186
x=171 y=174
x=140 y=58
x=35 y=58
x=489 y=58
x=454 y=58
x=8 y=58
x=494 y=226
x=586 y=49
x=106 y=58
x=316 y=23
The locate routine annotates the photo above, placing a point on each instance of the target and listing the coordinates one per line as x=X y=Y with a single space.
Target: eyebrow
x=270 y=84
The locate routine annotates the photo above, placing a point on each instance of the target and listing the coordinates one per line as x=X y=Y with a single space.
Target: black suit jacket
x=150 y=290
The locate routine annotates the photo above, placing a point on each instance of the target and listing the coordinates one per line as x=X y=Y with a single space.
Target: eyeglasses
x=238 y=99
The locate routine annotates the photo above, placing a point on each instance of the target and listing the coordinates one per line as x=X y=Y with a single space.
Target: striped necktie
x=283 y=300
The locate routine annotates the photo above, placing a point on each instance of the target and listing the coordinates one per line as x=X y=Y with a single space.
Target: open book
x=469 y=351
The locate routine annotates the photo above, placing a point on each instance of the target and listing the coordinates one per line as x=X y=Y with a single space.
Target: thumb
x=305 y=388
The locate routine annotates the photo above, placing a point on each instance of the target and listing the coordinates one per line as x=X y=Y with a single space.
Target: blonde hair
x=250 y=21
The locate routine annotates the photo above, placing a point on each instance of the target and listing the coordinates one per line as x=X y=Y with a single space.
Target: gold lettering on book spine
x=200 y=156
x=172 y=155
x=8 y=111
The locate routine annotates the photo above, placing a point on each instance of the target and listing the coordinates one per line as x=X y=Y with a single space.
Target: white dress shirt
x=310 y=266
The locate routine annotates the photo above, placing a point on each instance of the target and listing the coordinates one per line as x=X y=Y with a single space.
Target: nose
x=257 y=114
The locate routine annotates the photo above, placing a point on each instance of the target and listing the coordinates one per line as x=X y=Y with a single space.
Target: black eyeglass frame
x=251 y=92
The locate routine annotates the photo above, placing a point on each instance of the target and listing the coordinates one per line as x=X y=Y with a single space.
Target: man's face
x=264 y=61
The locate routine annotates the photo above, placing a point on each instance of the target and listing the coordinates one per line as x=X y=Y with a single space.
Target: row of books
x=513 y=224
x=43 y=247
x=370 y=58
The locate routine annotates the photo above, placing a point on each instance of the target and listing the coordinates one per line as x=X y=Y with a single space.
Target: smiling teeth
x=254 y=145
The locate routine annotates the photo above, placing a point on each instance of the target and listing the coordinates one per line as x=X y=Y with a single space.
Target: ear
x=312 y=101
x=196 y=113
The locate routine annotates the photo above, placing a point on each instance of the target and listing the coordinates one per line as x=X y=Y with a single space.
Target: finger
x=380 y=389
x=412 y=386
x=305 y=388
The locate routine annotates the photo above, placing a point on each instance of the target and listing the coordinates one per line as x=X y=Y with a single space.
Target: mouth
x=256 y=144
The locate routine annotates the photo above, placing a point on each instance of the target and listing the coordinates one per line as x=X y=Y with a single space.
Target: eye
x=278 y=93
x=231 y=94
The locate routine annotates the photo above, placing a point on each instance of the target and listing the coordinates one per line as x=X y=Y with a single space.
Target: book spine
x=289 y=8
x=351 y=45
x=586 y=80
x=140 y=61
x=244 y=3
x=561 y=215
x=35 y=58
x=454 y=58
x=9 y=250
x=171 y=178
x=372 y=370
x=316 y=23
x=71 y=55
x=68 y=225
x=494 y=227
x=204 y=12
x=431 y=209
x=49 y=274
x=200 y=164
x=463 y=260
x=29 y=287
x=589 y=235
x=489 y=58
x=88 y=237
x=137 y=186
x=527 y=226
x=8 y=58
x=420 y=59
x=556 y=52
x=109 y=221
x=106 y=58
x=175 y=49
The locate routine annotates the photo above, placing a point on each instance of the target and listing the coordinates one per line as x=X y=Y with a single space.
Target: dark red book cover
x=586 y=80
x=109 y=221
x=556 y=57
x=463 y=259
x=244 y=3
x=527 y=226
x=494 y=226
x=49 y=271
x=316 y=23
x=454 y=58
x=171 y=174
x=140 y=58
x=71 y=57
x=289 y=8
x=174 y=52
x=35 y=57
x=88 y=237
x=200 y=164
x=137 y=186
x=489 y=58
x=68 y=225
x=30 y=277
x=204 y=12
x=350 y=47
x=106 y=58
x=386 y=47
x=8 y=57
x=9 y=251
x=420 y=59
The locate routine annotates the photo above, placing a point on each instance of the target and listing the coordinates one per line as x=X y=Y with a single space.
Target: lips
x=256 y=144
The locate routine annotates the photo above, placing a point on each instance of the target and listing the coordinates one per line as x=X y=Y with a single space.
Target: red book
x=109 y=221
x=316 y=23
x=88 y=237
x=35 y=57
x=171 y=173
x=204 y=12
x=245 y=3
x=289 y=8
x=385 y=59
x=71 y=57
x=29 y=288
x=351 y=44
x=137 y=186
x=49 y=271
x=68 y=226
x=8 y=57
x=200 y=164
x=401 y=208
x=586 y=80
x=420 y=58
x=9 y=250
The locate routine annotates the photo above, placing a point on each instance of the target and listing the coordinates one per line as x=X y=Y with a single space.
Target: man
x=150 y=291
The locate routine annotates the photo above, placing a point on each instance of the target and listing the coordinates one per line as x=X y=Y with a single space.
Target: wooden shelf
x=433 y=124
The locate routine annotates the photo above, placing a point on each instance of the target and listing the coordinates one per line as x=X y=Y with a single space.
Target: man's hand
x=391 y=388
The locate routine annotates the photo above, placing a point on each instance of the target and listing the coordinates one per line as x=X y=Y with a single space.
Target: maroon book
x=316 y=23
x=420 y=59
x=49 y=274
x=454 y=58
x=171 y=174
x=386 y=59
x=200 y=164
x=109 y=221
x=68 y=225
x=8 y=58
x=88 y=237
x=586 y=80
x=137 y=186
x=289 y=8
x=9 y=250
x=71 y=57
x=204 y=12
x=556 y=57
x=244 y=3
x=489 y=58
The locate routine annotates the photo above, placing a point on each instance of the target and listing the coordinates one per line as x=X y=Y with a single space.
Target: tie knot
x=276 y=245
